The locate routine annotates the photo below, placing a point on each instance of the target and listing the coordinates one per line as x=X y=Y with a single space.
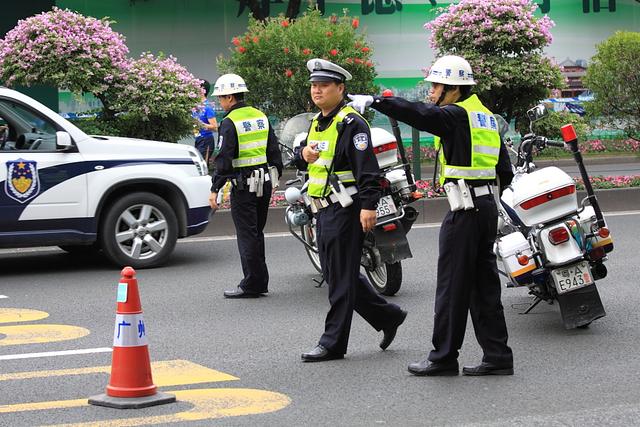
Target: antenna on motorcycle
x=571 y=139
x=396 y=133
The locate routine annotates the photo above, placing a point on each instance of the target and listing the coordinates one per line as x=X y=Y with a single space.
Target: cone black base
x=131 y=402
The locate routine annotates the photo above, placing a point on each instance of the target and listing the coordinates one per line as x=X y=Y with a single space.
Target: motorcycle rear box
x=509 y=248
x=544 y=195
x=385 y=147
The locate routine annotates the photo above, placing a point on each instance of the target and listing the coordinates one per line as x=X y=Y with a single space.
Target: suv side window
x=24 y=129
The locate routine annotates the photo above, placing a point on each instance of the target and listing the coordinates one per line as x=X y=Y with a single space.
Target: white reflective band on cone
x=129 y=331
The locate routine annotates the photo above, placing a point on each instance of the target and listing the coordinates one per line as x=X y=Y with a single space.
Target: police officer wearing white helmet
x=344 y=190
x=250 y=158
x=471 y=157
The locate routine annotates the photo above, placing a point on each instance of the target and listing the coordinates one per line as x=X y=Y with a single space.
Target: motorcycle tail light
x=604 y=232
x=389 y=227
x=523 y=259
x=558 y=235
x=597 y=253
x=543 y=198
x=385 y=183
x=385 y=147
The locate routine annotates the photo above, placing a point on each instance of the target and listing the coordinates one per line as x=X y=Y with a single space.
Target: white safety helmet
x=228 y=84
x=451 y=70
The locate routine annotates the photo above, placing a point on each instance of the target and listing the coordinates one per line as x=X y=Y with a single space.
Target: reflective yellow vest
x=327 y=141
x=252 y=127
x=485 y=145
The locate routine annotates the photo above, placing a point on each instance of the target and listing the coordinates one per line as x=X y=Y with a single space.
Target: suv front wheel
x=139 y=230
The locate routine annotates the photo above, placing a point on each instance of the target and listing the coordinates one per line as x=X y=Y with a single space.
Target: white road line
x=55 y=353
x=3 y=296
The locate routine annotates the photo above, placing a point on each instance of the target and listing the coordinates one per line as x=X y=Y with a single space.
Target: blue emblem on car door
x=22 y=183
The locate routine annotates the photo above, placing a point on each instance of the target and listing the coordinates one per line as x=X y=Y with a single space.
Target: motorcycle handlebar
x=553 y=143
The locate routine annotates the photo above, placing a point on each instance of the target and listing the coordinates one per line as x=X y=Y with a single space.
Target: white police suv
x=129 y=198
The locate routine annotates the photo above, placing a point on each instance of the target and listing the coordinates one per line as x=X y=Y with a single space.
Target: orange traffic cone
x=130 y=385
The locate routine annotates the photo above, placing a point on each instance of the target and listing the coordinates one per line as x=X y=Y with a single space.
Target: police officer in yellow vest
x=344 y=190
x=470 y=154
x=250 y=158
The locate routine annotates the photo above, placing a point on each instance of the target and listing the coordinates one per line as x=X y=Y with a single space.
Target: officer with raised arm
x=471 y=157
x=343 y=190
x=250 y=158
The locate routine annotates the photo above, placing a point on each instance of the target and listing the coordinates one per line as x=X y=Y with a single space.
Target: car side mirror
x=63 y=141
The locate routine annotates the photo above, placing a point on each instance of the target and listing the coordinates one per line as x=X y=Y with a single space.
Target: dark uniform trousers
x=340 y=238
x=249 y=215
x=468 y=281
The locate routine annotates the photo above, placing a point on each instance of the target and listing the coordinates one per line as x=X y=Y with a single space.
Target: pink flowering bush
x=155 y=96
x=503 y=41
x=63 y=49
x=150 y=97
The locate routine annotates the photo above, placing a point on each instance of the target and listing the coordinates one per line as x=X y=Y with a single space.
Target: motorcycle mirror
x=538 y=112
x=292 y=194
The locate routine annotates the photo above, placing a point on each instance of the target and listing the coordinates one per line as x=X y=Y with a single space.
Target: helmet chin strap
x=442 y=95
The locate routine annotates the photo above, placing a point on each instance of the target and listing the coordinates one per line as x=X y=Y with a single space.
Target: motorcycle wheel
x=387 y=278
x=308 y=232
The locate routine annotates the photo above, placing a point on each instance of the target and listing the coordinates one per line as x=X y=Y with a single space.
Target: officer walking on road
x=250 y=158
x=470 y=152
x=343 y=190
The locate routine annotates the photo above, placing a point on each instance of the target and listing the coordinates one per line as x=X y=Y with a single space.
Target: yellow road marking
x=11 y=315
x=165 y=373
x=30 y=334
x=208 y=404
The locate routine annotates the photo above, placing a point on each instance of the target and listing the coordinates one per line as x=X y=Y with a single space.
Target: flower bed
x=425 y=187
x=589 y=147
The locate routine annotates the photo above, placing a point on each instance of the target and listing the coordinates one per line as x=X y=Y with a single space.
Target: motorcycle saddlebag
x=580 y=307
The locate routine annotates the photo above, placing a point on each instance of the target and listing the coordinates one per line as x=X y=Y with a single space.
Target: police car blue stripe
x=10 y=209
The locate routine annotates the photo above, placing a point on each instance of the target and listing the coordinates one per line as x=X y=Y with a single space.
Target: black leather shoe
x=320 y=354
x=240 y=293
x=431 y=369
x=390 y=333
x=486 y=368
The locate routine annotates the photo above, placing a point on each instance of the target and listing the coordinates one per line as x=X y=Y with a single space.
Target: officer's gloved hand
x=360 y=102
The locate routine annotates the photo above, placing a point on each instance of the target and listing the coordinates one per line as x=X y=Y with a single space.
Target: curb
x=430 y=210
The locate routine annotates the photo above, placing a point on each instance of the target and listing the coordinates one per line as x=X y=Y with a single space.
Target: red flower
x=369 y=64
x=288 y=72
x=256 y=39
x=286 y=50
x=333 y=52
x=365 y=49
x=333 y=19
x=355 y=23
x=242 y=49
x=285 y=23
x=329 y=33
x=349 y=60
x=358 y=61
x=235 y=41
x=306 y=51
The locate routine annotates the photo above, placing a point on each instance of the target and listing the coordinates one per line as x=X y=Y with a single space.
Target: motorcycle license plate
x=573 y=277
x=386 y=207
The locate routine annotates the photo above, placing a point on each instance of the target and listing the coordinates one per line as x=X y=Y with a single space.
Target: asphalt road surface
x=241 y=358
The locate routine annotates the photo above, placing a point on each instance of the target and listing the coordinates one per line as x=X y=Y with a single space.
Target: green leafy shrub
x=614 y=78
x=272 y=56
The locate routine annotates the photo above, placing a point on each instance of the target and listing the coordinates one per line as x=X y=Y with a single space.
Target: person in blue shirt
x=205 y=114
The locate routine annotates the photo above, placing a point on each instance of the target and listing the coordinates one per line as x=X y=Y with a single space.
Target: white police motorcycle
x=386 y=246
x=546 y=240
